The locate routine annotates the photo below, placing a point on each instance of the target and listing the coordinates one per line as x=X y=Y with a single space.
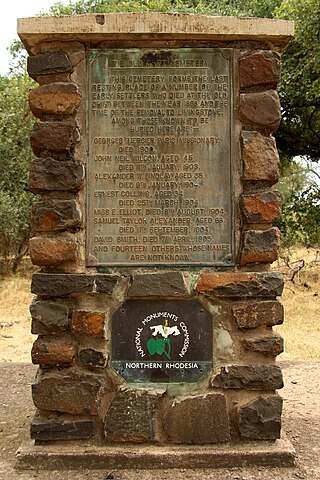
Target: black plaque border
x=186 y=310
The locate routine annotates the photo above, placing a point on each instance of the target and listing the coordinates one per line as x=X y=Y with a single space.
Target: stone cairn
x=76 y=392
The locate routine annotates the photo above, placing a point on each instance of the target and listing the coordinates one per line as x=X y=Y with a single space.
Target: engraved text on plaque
x=159 y=171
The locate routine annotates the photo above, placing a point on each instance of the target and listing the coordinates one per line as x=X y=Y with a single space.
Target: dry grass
x=301 y=329
x=301 y=299
x=15 y=336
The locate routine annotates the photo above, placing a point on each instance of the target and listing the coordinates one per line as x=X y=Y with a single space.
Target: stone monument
x=154 y=303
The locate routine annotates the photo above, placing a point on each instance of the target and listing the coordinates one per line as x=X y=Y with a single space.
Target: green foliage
x=300 y=220
x=209 y=7
x=299 y=90
x=15 y=155
x=114 y=6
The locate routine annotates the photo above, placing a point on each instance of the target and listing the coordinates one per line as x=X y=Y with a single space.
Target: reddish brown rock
x=260 y=68
x=261 y=418
x=254 y=314
x=266 y=344
x=59 y=137
x=55 y=215
x=260 y=158
x=240 y=284
x=54 y=99
x=52 y=251
x=249 y=377
x=261 y=207
x=47 y=63
x=47 y=174
x=71 y=393
x=260 y=111
x=48 y=351
x=88 y=323
x=260 y=246
x=202 y=419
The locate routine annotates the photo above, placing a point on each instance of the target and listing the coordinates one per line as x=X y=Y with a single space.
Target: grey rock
x=89 y=357
x=202 y=419
x=132 y=416
x=48 y=174
x=73 y=393
x=47 y=63
x=268 y=344
x=61 y=427
x=249 y=377
x=261 y=418
x=60 y=284
x=164 y=284
x=49 y=318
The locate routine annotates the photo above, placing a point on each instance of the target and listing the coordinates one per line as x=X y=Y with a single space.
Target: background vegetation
x=298 y=135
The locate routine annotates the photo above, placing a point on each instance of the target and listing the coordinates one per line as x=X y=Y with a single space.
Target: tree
x=300 y=191
x=299 y=133
x=15 y=155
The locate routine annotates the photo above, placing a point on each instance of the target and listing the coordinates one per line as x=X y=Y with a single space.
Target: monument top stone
x=173 y=25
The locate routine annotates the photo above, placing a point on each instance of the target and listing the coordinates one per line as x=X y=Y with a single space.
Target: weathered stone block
x=59 y=137
x=260 y=246
x=46 y=63
x=249 y=377
x=263 y=207
x=52 y=251
x=61 y=427
x=260 y=110
x=88 y=323
x=260 y=158
x=198 y=420
x=267 y=344
x=60 y=284
x=255 y=314
x=47 y=174
x=240 y=284
x=261 y=418
x=74 y=393
x=55 y=98
x=132 y=416
x=48 y=351
x=260 y=68
x=164 y=284
x=60 y=77
x=55 y=215
x=49 y=318
x=89 y=357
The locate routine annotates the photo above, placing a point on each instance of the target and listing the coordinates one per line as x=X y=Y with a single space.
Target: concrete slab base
x=76 y=457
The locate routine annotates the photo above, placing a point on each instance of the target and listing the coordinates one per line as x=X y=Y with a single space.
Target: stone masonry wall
x=76 y=393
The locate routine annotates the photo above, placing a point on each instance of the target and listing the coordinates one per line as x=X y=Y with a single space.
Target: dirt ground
x=301 y=423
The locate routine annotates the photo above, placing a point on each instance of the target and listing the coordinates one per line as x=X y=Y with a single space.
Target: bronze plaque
x=159 y=171
x=162 y=341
